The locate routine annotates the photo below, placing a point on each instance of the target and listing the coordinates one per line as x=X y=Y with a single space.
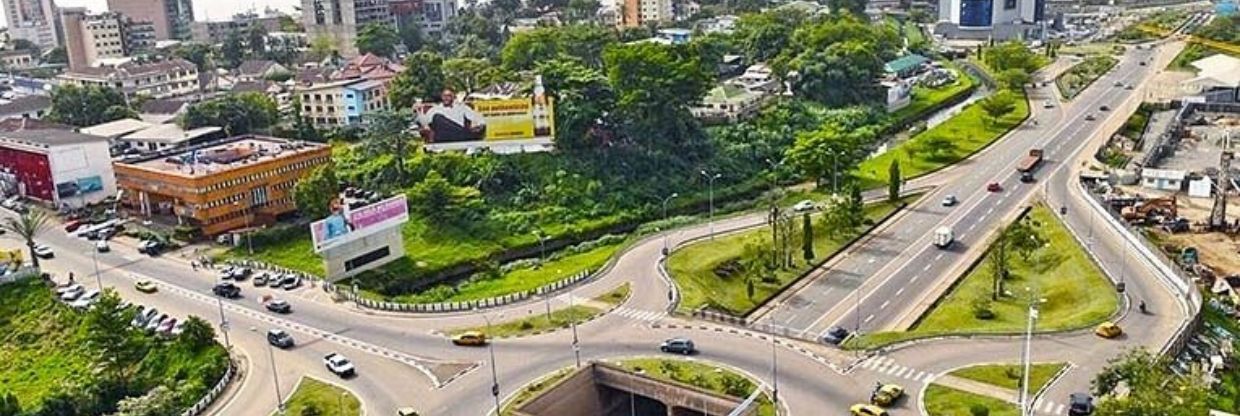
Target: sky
x=203 y=9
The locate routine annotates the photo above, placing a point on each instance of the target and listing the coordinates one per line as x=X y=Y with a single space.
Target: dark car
x=1080 y=404
x=1104 y=108
x=678 y=346
x=1090 y=117
x=240 y=273
x=226 y=289
x=279 y=306
x=835 y=335
x=279 y=338
x=290 y=282
x=994 y=187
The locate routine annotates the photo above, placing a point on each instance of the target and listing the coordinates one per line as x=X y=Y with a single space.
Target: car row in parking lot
x=286 y=281
x=77 y=296
x=151 y=320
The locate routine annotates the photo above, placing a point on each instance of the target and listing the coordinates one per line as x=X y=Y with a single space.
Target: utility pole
x=94 y=255
x=573 y=322
x=665 y=224
x=494 y=372
x=711 y=196
x=223 y=324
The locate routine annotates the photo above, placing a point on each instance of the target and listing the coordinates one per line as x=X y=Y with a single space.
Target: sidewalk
x=979 y=388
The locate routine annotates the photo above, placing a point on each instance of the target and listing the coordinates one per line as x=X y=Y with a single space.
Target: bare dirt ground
x=1219 y=251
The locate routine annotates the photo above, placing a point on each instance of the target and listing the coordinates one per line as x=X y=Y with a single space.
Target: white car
x=73 y=294
x=803 y=206
x=43 y=251
x=102 y=246
x=1048 y=104
x=76 y=287
x=86 y=299
x=950 y=200
x=338 y=365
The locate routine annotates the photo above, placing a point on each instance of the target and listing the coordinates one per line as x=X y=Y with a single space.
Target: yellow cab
x=470 y=338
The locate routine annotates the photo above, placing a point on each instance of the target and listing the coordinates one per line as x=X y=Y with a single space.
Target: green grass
x=693 y=267
x=1193 y=52
x=615 y=296
x=970 y=131
x=1076 y=292
x=45 y=350
x=519 y=280
x=1225 y=394
x=700 y=375
x=1008 y=375
x=537 y=321
x=946 y=401
x=1081 y=75
x=325 y=397
x=532 y=390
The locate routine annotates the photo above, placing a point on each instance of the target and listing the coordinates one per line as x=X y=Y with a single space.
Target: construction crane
x=1218 y=214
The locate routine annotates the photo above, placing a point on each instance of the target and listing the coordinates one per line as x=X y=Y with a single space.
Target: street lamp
x=494 y=372
x=774 y=372
x=573 y=321
x=542 y=246
x=276 y=377
x=1025 y=356
x=711 y=196
x=665 y=224
x=94 y=256
x=835 y=160
x=223 y=324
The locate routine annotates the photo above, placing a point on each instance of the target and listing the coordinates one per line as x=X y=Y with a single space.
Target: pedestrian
x=70 y=277
x=194 y=264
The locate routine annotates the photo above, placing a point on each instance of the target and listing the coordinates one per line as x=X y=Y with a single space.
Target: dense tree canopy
x=1152 y=388
x=377 y=38
x=242 y=113
x=583 y=97
x=655 y=85
x=525 y=50
x=314 y=192
x=763 y=36
x=88 y=106
x=423 y=79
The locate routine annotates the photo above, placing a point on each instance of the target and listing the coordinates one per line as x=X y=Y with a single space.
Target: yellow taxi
x=886 y=394
x=470 y=338
x=146 y=286
x=1108 y=330
x=862 y=409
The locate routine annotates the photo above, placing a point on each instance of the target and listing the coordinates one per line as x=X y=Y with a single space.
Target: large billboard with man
x=453 y=123
x=344 y=224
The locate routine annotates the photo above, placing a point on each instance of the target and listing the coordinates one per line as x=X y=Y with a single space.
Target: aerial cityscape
x=620 y=208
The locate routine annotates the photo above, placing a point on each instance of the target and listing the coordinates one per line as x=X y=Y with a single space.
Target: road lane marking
x=926 y=269
x=869 y=318
x=898 y=292
x=884 y=305
x=938 y=257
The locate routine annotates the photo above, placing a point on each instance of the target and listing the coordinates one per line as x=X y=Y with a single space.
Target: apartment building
x=641 y=12
x=340 y=20
x=340 y=103
x=91 y=37
x=162 y=79
x=170 y=19
x=213 y=32
x=221 y=186
x=32 y=20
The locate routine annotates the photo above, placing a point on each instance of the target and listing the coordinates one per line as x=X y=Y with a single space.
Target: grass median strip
x=1076 y=294
x=946 y=401
x=1008 y=375
x=324 y=398
x=703 y=270
x=701 y=375
x=539 y=321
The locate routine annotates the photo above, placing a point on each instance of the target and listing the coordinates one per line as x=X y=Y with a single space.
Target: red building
x=26 y=172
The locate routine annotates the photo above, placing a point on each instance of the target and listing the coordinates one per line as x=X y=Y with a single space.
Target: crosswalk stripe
x=894 y=368
x=921 y=376
x=1059 y=409
x=1047 y=406
x=907 y=373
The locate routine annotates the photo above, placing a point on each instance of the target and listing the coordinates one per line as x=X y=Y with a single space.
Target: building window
x=1009 y=4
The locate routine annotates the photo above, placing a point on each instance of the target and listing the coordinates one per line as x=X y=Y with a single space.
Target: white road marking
x=938 y=257
x=869 y=318
x=872 y=260
x=1059 y=409
x=898 y=292
x=926 y=269
x=884 y=305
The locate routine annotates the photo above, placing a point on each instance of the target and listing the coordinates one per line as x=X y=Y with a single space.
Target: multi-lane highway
x=403 y=360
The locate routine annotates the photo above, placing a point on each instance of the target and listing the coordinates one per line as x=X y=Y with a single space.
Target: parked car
x=260 y=280
x=177 y=329
x=86 y=299
x=240 y=273
x=835 y=335
x=143 y=317
x=73 y=225
x=678 y=346
x=279 y=306
x=226 y=289
x=154 y=323
x=862 y=409
x=139 y=312
x=102 y=246
x=75 y=292
x=43 y=251
x=279 y=338
x=950 y=200
x=76 y=287
x=470 y=338
x=803 y=206
x=290 y=282
x=339 y=365
x=166 y=326
x=1048 y=104
x=994 y=187
x=226 y=273
x=150 y=247
x=1080 y=404
x=146 y=286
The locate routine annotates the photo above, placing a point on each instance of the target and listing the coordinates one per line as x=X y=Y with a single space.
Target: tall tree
x=377 y=38
x=323 y=46
x=233 y=51
x=582 y=98
x=842 y=74
x=116 y=349
x=158 y=401
x=998 y=105
x=856 y=7
x=28 y=226
x=422 y=79
x=765 y=35
x=87 y=106
x=256 y=40
x=242 y=113
x=469 y=74
x=1000 y=265
x=655 y=85
x=198 y=53
x=197 y=333
x=1013 y=79
x=582 y=10
x=314 y=192
x=893 y=181
x=1151 y=388
x=388 y=134
x=807 y=237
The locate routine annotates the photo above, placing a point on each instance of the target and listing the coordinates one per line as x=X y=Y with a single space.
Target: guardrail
x=440 y=307
x=229 y=375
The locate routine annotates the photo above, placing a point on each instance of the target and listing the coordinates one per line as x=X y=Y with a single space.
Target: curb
x=757 y=335
x=602 y=313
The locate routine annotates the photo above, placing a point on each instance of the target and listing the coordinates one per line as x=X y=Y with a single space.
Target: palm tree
x=28 y=226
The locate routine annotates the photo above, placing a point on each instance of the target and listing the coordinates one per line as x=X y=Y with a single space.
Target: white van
x=943 y=237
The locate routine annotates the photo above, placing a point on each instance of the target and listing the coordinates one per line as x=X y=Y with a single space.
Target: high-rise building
x=32 y=20
x=212 y=32
x=170 y=18
x=1000 y=19
x=341 y=19
x=640 y=12
x=92 y=37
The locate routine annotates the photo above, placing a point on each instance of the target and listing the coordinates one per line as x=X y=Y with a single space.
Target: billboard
x=344 y=225
x=485 y=122
x=81 y=186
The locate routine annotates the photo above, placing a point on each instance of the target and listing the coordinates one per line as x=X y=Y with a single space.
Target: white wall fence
x=441 y=307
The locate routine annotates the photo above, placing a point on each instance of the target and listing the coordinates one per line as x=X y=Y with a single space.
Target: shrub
x=979 y=410
x=311 y=409
x=526 y=325
x=982 y=310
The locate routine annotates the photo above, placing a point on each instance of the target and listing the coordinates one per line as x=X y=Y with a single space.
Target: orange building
x=225 y=185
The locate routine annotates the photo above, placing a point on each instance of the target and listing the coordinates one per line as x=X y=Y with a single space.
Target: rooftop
x=1217 y=70
x=163 y=106
x=44 y=139
x=905 y=63
x=133 y=69
x=116 y=128
x=12 y=124
x=255 y=67
x=726 y=93
x=25 y=104
x=221 y=156
x=169 y=133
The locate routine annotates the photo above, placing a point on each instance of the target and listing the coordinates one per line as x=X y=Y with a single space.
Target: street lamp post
x=94 y=256
x=665 y=225
x=494 y=372
x=275 y=377
x=249 y=244
x=573 y=322
x=774 y=372
x=223 y=323
x=711 y=197
x=1025 y=356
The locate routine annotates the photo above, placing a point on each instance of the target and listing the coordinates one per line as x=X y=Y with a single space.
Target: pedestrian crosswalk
x=1049 y=407
x=889 y=367
x=639 y=314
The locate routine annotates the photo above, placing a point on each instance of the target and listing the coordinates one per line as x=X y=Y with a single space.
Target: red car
x=994 y=187
x=72 y=226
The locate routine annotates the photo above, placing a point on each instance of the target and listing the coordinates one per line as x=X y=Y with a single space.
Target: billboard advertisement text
x=344 y=224
x=488 y=120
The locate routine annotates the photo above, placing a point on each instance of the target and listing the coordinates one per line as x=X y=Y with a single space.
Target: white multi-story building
x=89 y=38
x=988 y=18
x=340 y=20
x=32 y=20
x=163 y=79
x=640 y=12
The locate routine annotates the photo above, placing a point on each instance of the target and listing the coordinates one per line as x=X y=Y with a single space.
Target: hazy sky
x=203 y=9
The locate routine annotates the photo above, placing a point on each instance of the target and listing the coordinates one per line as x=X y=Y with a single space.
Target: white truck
x=943 y=237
